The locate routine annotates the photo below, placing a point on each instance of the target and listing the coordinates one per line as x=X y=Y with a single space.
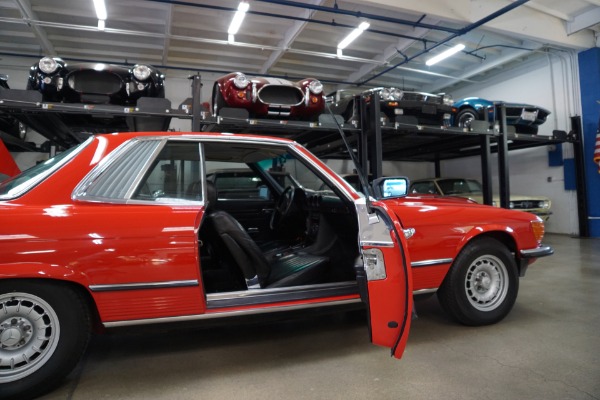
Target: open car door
x=385 y=278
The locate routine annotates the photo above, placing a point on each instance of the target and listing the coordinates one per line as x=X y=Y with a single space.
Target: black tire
x=62 y=323
x=482 y=285
x=465 y=117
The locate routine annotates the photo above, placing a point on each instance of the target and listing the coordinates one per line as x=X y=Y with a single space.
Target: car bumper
x=527 y=256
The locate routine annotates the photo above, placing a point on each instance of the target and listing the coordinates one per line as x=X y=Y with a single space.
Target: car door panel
x=388 y=277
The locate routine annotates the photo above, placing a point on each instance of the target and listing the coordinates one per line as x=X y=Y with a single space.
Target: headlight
x=397 y=93
x=315 y=87
x=241 y=81
x=386 y=93
x=544 y=204
x=141 y=72
x=48 y=65
x=447 y=100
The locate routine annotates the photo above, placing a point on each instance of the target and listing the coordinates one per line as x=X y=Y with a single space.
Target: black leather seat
x=259 y=272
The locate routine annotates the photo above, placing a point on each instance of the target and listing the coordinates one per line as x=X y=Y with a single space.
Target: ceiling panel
x=299 y=39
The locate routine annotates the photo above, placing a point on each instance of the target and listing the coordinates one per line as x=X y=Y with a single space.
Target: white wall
x=550 y=85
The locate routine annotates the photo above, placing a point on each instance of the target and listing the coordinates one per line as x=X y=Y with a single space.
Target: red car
x=127 y=229
x=269 y=97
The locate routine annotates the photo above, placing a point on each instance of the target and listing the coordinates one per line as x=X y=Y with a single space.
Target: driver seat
x=259 y=272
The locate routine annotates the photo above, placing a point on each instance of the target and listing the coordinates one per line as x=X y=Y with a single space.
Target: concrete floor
x=547 y=348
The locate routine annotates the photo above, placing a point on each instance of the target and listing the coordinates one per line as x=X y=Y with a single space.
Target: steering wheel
x=283 y=208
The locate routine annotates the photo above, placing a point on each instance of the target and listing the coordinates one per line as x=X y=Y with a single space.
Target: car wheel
x=465 y=117
x=44 y=330
x=482 y=285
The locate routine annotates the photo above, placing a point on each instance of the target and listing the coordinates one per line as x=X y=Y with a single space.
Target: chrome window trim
x=224 y=314
x=144 y=170
x=427 y=263
x=143 y=285
x=79 y=191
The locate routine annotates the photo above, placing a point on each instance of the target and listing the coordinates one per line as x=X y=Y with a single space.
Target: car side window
x=235 y=180
x=174 y=174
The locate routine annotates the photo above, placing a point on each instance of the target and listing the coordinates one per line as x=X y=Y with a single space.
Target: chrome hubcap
x=29 y=332
x=486 y=283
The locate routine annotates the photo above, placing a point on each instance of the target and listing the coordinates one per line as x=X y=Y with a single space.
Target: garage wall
x=551 y=84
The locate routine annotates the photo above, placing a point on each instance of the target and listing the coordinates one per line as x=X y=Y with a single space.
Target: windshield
x=454 y=186
x=27 y=179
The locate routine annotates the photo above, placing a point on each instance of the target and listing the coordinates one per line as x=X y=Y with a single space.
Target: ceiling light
x=100 y=9
x=353 y=35
x=445 y=54
x=238 y=18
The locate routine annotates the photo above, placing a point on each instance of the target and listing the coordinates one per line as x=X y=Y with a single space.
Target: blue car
x=525 y=118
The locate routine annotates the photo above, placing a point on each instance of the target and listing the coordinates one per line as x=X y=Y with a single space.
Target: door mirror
x=395 y=186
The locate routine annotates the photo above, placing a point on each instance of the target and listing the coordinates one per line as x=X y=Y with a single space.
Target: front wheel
x=482 y=284
x=44 y=330
x=465 y=117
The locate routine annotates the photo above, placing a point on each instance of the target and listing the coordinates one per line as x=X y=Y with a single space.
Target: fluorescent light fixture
x=445 y=54
x=353 y=35
x=101 y=24
x=231 y=39
x=100 y=9
x=238 y=18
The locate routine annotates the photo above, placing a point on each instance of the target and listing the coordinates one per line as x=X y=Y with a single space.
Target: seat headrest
x=211 y=195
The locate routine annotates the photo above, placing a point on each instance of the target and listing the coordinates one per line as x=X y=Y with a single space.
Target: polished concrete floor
x=547 y=348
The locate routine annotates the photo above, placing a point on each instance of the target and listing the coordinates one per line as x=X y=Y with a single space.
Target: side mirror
x=395 y=186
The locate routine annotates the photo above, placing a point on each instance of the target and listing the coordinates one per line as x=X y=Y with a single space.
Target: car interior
x=270 y=222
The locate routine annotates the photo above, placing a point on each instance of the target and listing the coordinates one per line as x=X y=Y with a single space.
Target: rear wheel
x=44 y=330
x=482 y=284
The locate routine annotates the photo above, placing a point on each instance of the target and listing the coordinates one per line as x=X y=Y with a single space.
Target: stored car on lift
x=264 y=97
x=396 y=105
x=471 y=189
x=94 y=82
x=128 y=229
x=525 y=118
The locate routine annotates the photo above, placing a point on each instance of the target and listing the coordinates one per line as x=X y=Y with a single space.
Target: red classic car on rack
x=131 y=229
x=264 y=97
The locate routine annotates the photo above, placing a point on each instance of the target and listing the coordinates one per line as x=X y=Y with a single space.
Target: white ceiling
x=298 y=39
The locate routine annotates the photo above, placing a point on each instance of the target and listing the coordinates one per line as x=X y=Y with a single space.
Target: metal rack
x=374 y=140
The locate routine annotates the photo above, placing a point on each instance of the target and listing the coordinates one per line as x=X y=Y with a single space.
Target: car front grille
x=280 y=95
x=525 y=204
x=422 y=97
x=94 y=82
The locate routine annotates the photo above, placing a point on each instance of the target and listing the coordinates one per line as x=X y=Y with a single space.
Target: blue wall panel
x=589 y=78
